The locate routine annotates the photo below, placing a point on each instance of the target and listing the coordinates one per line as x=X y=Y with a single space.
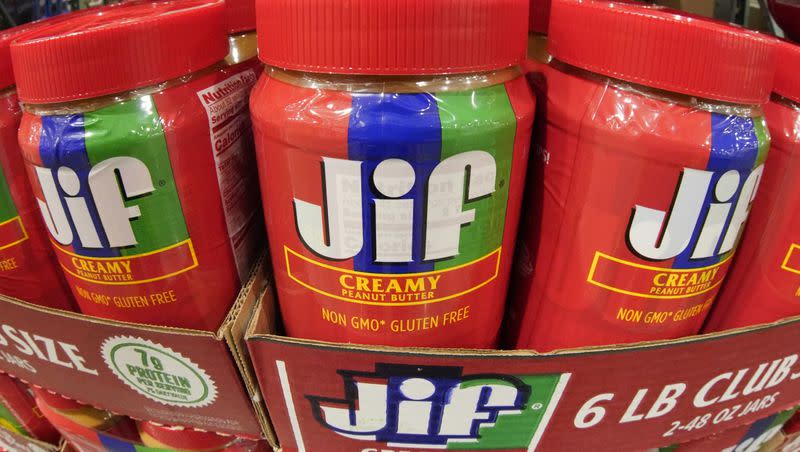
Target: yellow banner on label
x=392 y=289
x=136 y=269
x=645 y=281
x=12 y=232
x=792 y=261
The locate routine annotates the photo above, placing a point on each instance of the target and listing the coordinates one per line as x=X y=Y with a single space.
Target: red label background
x=313 y=124
x=37 y=278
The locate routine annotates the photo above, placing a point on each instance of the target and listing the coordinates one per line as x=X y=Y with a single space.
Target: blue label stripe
x=62 y=144
x=114 y=444
x=758 y=428
x=404 y=126
x=734 y=145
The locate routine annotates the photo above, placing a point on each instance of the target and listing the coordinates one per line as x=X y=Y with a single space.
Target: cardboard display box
x=168 y=375
x=339 y=397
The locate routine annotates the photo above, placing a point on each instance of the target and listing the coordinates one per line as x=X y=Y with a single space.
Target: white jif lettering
x=461 y=178
x=111 y=182
x=651 y=238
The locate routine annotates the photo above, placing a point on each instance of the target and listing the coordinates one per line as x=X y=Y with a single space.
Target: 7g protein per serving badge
x=392 y=200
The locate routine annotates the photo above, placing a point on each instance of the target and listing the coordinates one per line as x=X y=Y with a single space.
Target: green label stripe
x=7 y=208
x=760 y=127
x=782 y=417
x=133 y=128
x=514 y=431
x=142 y=448
x=480 y=120
x=10 y=422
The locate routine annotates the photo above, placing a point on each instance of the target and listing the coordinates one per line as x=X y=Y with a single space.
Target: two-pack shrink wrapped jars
x=652 y=152
x=392 y=151
x=135 y=136
x=28 y=269
x=764 y=282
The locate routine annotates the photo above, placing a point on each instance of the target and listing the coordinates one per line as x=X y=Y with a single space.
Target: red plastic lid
x=241 y=15
x=391 y=37
x=6 y=36
x=184 y=438
x=118 y=48
x=663 y=48
x=539 y=16
x=787 y=76
x=57 y=401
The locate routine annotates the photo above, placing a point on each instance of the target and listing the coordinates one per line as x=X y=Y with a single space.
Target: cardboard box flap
x=324 y=396
x=169 y=375
x=234 y=336
x=243 y=356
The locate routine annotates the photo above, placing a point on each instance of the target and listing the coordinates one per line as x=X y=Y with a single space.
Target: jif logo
x=660 y=235
x=439 y=407
x=111 y=183
x=461 y=178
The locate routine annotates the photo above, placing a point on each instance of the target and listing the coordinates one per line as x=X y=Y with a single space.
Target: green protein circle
x=173 y=359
